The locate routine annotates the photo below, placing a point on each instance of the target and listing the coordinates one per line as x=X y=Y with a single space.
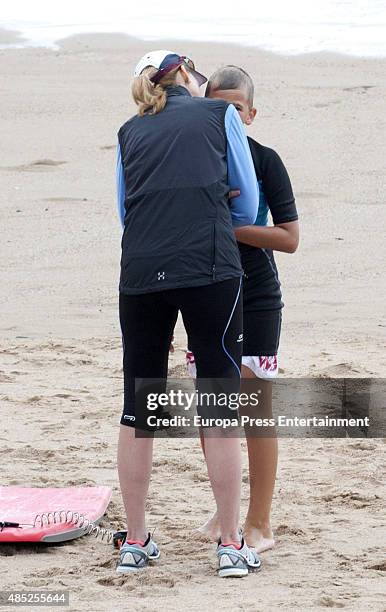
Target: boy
x=262 y=298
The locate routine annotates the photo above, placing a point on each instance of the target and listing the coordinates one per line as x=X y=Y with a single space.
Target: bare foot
x=209 y=530
x=259 y=538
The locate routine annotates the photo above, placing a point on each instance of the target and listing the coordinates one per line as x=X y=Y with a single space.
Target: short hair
x=231 y=77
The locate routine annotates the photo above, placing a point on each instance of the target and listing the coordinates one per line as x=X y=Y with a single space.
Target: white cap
x=164 y=61
x=154 y=58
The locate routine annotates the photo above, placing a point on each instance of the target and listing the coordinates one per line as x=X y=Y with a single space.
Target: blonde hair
x=151 y=98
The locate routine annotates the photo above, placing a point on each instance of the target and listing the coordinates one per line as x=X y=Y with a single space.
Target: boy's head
x=234 y=85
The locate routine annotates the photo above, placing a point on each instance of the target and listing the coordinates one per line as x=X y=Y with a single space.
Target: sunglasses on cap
x=182 y=59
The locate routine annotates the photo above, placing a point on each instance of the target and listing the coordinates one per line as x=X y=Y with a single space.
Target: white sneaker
x=237 y=562
x=134 y=556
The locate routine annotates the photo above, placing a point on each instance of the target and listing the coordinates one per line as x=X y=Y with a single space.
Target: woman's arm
x=241 y=172
x=282 y=237
x=120 y=187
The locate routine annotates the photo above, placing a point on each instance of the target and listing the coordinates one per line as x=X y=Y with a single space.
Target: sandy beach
x=60 y=351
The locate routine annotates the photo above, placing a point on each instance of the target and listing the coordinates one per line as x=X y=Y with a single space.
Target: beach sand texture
x=60 y=351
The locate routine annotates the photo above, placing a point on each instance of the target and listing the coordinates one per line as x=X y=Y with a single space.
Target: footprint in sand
x=50 y=428
x=359 y=88
x=80 y=482
x=109 y=563
x=286 y=530
x=39 y=165
x=34 y=399
x=51 y=482
x=5 y=450
x=62 y=395
x=8 y=550
x=326 y=104
x=65 y=199
x=365 y=446
x=113 y=581
x=37 y=583
x=352 y=499
x=328 y=602
x=380 y=567
x=342 y=369
x=5 y=378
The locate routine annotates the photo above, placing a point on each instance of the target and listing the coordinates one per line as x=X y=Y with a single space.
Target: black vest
x=177 y=229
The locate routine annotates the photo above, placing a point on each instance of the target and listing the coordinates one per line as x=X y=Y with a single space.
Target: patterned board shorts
x=265 y=368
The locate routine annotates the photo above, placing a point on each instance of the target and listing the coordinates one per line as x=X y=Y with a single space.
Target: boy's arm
x=241 y=172
x=120 y=178
x=284 y=236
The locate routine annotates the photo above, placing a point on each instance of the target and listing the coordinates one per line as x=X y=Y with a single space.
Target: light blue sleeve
x=241 y=172
x=120 y=187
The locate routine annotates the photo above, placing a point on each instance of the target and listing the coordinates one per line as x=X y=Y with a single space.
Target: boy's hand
x=234 y=193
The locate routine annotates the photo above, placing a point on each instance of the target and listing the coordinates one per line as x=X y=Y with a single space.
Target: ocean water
x=300 y=26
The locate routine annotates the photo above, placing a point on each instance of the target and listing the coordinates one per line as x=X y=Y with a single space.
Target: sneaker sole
x=129 y=570
x=157 y=556
x=232 y=572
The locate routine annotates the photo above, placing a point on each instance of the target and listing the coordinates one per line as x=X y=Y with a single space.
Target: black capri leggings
x=212 y=316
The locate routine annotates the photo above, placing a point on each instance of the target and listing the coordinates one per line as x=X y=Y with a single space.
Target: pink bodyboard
x=21 y=505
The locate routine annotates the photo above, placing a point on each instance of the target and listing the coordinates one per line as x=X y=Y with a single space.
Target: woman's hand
x=234 y=193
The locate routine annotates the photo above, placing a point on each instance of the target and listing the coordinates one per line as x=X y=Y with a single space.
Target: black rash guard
x=261 y=285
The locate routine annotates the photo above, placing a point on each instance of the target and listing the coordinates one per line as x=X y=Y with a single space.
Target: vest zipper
x=214 y=253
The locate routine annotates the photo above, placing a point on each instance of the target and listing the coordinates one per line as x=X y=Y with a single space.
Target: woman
x=175 y=158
